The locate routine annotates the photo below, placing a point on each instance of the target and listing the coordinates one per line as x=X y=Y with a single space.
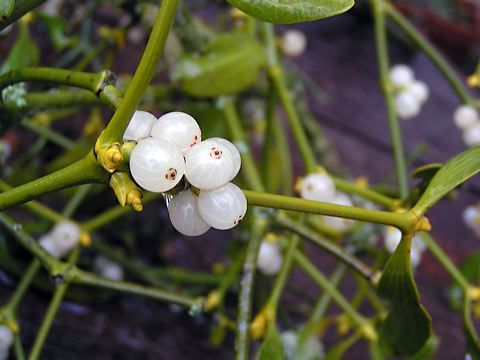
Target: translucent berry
x=156 y=165
x=270 y=259
x=65 y=235
x=237 y=160
x=222 y=208
x=338 y=223
x=401 y=75
x=465 y=117
x=419 y=90
x=393 y=237
x=6 y=337
x=406 y=106
x=48 y=244
x=318 y=187
x=471 y=135
x=471 y=217
x=108 y=269
x=209 y=165
x=184 y=215
x=293 y=42
x=139 y=126
x=178 y=128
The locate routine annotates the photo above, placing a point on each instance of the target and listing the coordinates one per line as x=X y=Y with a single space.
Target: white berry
x=6 y=338
x=406 y=106
x=108 y=269
x=139 y=126
x=209 y=165
x=184 y=215
x=65 y=235
x=222 y=208
x=471 y=217
x=401 y=75
x=48 y=244
x=156 y=165
x=237 y=160
x=471 y=135
x=338 y=223
x=393 y=236
x=293 y=43
x=465 y=117
x=318 y=187
x=269 y=259
x=179 y=128
x=419 y=90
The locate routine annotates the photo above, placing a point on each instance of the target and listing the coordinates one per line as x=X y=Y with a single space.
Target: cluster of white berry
x=293 y=43
x=108 y=269
x=393 y=236
x=270 y=258
x=410 y=94
x=171 y=147
x=467 y=119
x=6 y=341
x=471 y=217
x=61 y=239
x=320 y=187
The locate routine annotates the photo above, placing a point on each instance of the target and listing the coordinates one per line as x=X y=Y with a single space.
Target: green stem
x=444 y=260
x=403 y=221
x=36 y=207
x=321 y=280
x=284 y=149
x=246 y=292
x=249 y=169
x=52 y=310
x=81 y=172
x=48 y=134
x=60 y=99
x=12 y=305
x=423 y=44
x=21 y=7
x=384 y=68
x=330 y=247
x=278 y=80
x=143 y=74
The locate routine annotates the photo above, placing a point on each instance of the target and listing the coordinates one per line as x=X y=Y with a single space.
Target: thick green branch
x=21 y=7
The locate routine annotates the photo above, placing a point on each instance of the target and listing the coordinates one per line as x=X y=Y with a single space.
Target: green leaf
x=229 y=64
x=292 y=11
x=24 y=53
x=455 y=171
x=272 y=348
x=56 y=28
x=428 y=349
x=6 y=8
x=408 y=326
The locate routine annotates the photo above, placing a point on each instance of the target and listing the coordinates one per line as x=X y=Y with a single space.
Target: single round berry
x=419 y=90
x=209 y=165
x=392 y=237
x=184 y=214
x=179 y=128
x=49 y=245
x=222 y=208
x=338 y=223
x=471 y=135
x=465 y=116
x=471 y=217
x=108 y=269
x=269 y=259
x=401 y=75
x=139 y=126
x=156 y=165
x=6 y=337
x=237 y=160
x=293 y=43
x=318 y=187
x=65 y=235
x=406 y=106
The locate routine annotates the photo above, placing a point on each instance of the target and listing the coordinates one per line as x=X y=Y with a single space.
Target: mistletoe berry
x=465 y=116
x=318 y=187
x=184 y=214
x=401 y=75
x=270 y=259
x=139 y=126
x=293 y=43
x=237 y=160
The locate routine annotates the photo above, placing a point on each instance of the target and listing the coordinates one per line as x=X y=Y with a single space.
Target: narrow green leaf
x=56 y=28
x=408 y=326
x=292 y=11
x=6 y=8
x=272 y=348
x=455 y=171
x=229 y=64
x=24 y=53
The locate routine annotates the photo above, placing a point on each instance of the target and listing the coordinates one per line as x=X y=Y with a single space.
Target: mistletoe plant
x=142 y=158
